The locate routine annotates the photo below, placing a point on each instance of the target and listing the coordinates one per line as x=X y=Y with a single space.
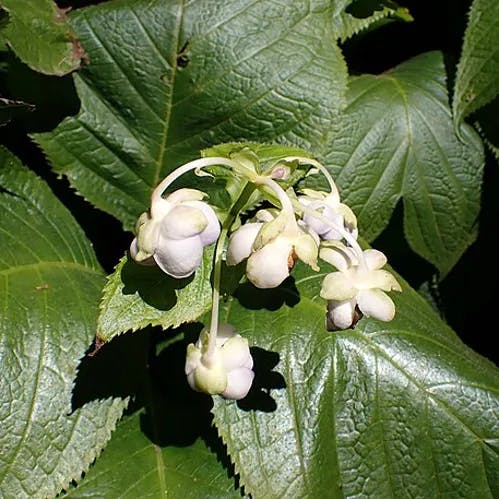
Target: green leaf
x=361 y=15
x=186 y=472
x=398 y=409
x=397 y=141
x=136 y=296
x=39 y=33
x=477 y=79
x=50 y=283
x=168 y=446
x=168 y=79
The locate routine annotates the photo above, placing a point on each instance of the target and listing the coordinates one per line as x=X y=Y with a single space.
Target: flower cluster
x=309 y=225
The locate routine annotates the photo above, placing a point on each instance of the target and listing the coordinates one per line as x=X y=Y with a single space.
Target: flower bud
x=226 y=371
x=330 y=208
x=175 y=235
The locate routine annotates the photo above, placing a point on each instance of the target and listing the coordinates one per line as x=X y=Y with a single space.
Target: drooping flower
x=330 y=208
x=271 y=248
x=227 y=370
x=357 y=284
x=175 y=233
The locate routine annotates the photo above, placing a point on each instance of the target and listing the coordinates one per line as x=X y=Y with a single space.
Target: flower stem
x=320 y=167
x=195 y=165
x=217 y=265
x=286 y=204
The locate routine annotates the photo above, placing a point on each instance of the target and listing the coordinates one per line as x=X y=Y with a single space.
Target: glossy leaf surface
x=393 y=409
x=168 y=79
x=50 y=282
x=397 y=142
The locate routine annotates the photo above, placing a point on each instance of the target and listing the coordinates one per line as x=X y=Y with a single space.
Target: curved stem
x=320 y=167
x=217 y=270
x=286 y=204
x=194 y=165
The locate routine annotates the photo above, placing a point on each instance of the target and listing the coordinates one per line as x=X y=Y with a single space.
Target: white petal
x=140 y=257
x=341 y=313
x=339 y=255
x=224 y=333
x=313 y=222
x=210 y=234
x=236 y=353
x=384 y=280
x=241 y=242
x=375 y=259
x=337 y=286
x=269 y=266
x=160 y=208
x=182 y=195
x=179 y=258
x=182 y=222
x=239 y=382
x=375 y=303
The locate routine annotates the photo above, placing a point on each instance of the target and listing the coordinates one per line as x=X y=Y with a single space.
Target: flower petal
x=239 y=382
x=375 y=303
x=236 y=353
x=341 y=313
x=384 y=280
x=211 y=232
x=183 y=221
x=185 y=194
x=269 y=266
x=241 y=243
x=339 y=255
x=375 y=259
x=337 y=286
x=179 y=258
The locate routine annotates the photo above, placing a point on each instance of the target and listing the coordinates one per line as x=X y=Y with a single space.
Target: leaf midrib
x=169 y=104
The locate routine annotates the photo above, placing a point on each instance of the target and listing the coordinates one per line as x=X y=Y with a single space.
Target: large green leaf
x=167 y=447
x=39 y=33
x=399 y=409
x=50 y=283
x=167 y=79
x=397 y=141
x=136 y=296
x=152 y=470
x=477 y=79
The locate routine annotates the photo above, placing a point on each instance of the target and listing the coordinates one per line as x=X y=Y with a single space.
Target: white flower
x=176 y=232
x=271 y=249
x=356 y=285
x=329 y=206
x=227 y=370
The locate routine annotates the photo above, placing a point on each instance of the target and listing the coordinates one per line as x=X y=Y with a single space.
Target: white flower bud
x=330 y=208
x=227 y=371
x=270 y=265
x=181 y=226
x=241 y=242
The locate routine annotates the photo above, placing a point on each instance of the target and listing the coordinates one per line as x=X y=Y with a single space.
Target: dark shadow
x=116 y=369
x=52 y=97
x=154 y=286
x=254 y=298
x=259 y=398
x=175 y=414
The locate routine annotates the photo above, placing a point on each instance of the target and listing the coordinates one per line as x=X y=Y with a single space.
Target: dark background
x=466 y=296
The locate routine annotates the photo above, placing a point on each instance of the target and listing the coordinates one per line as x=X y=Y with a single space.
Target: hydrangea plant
x=234 y=238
